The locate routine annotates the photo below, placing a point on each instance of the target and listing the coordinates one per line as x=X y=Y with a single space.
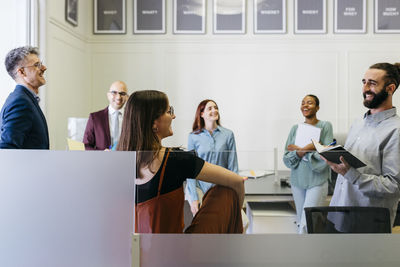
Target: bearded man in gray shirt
x=375 y=140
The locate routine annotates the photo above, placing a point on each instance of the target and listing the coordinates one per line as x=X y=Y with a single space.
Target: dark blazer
x=97 y=134
x=22 y=122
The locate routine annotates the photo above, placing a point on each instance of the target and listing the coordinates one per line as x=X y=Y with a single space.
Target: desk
x=265 y=189
x=266 y=205
x=271 y=217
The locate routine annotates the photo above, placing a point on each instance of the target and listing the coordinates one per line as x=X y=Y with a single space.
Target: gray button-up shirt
x=375 y=140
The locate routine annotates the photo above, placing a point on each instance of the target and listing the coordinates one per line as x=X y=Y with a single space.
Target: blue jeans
x=191 y=188
x=312 y=197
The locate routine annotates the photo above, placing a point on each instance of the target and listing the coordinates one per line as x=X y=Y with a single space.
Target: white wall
x=257 y=80
x=68 y=89
x=14 y=31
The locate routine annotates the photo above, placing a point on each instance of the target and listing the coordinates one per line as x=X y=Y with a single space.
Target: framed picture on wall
x=229 y=16
x=269 y=16
x=189 y=16
x=387 y=16
x=310 y=16
x=71 y=12
x=109 y=16
x=350 y=16
x=148 y=16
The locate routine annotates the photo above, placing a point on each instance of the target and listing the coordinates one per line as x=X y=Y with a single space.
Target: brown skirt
x=220 y=213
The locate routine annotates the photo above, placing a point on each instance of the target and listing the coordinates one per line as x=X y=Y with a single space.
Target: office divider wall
x=64 y=208
x=260 y=250
x=73 y=208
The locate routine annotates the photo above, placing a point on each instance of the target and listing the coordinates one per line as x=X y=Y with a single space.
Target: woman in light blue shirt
x=309 y=173
x=213 y=143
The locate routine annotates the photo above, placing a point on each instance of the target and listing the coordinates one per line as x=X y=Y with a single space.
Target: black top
x=180 y=165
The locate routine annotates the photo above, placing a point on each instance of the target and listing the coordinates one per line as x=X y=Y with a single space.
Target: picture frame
x=350 y=16
x=269 y=16
x=310 y=16
x=71 y=12
x=109 y=16
x=149 y=16
x=189 y=16
x=229 y=16
x=387 y=16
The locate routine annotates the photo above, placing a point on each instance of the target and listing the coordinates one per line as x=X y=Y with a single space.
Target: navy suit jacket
x=97 y=134
x=22 y=122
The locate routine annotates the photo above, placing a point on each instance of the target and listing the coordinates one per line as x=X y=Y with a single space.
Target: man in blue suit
x=22 y=122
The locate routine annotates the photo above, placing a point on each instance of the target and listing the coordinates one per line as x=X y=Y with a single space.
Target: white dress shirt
x=111 y=121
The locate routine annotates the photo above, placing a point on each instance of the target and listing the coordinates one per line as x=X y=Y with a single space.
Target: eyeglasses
x=171 y=111
x=38 y=65
x=121 y=94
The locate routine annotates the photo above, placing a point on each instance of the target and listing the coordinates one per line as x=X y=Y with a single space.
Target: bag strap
x=162 y=172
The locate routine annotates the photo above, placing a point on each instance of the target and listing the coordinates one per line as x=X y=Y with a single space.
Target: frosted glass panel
x=350 y=250
x=66 y=208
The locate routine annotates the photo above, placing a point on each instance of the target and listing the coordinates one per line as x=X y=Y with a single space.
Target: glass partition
x=270 y=222
x=80 y=208
x=171 y=196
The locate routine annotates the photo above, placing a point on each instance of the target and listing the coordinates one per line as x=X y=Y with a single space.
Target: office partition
x=66 y=208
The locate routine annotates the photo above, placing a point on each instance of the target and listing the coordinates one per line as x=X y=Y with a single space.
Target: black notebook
x=333 y=153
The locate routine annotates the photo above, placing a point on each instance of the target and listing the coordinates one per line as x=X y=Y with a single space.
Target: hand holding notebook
x=333 y=154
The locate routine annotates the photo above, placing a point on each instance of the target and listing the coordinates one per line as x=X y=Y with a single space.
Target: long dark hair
x=141 y=110
x=198 y=123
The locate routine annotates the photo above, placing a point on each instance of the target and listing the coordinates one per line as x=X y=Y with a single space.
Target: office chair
x=348 y=220
x=397 y=217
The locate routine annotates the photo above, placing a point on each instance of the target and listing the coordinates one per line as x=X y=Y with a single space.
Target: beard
x=378 y=99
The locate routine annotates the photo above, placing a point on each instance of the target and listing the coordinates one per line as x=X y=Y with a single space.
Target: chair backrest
x=348 y=220
x=397 y=217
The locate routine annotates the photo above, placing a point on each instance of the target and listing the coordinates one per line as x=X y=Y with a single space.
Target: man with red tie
x=104 y=126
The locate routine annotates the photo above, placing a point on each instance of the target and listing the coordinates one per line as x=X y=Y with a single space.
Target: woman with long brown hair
x=213 y=143
x=161 y=172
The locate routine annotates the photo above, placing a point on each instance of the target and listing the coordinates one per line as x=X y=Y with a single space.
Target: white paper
x=255 y=173
x=75 y=145
x=306 y=132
